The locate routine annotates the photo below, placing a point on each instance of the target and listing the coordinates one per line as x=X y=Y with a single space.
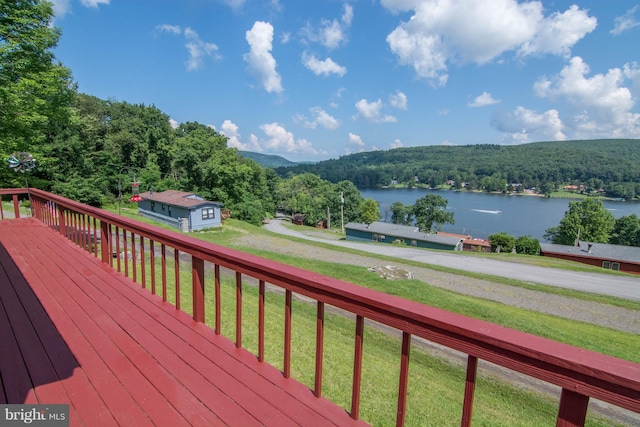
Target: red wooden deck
x=75 y=331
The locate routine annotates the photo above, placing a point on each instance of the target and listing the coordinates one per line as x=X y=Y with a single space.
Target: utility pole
x=342 y=209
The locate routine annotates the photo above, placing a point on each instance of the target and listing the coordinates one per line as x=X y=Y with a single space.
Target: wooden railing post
x=469 y=390
x=16 y=206
x=105 y=240
x=404 y=380
x=61 y=221
x=357 y=368
x=573 y=409
x=197 y=274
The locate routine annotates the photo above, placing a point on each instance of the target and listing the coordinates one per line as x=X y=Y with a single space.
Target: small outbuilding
x=469 y=243
x=181 y=209
x=384 y=232
x=611 y=257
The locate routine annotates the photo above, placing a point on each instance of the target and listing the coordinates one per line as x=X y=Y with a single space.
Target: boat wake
x=486 y=211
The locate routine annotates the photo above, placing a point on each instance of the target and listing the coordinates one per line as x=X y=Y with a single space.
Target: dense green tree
x=306 y=194
x=626 y=231
x=351 y=205
x=430 y=211
x=547 y=189
x=35 y=91
x=527 y=245
x=370 y=211
x=250 y=210
x=587 y=220
x=401 y=214
x=505 y=241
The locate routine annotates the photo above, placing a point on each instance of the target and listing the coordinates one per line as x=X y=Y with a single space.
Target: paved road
x=617 y=286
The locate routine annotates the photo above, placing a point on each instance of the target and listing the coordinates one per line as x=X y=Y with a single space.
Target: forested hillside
x=613 y=165
x=267 y=160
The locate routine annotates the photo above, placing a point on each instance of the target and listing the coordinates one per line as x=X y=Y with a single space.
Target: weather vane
x=22 y=162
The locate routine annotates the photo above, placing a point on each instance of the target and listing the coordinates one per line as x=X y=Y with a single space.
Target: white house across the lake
x=180 y=209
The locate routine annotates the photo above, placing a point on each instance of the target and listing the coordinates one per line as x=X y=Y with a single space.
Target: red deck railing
x=580 y=373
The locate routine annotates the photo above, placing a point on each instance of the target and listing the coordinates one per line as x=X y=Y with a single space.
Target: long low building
x=384 y=232
x=613 y=257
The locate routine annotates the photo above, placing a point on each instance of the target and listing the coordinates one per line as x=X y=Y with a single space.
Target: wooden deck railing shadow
x=33 y=351
x=140 y=250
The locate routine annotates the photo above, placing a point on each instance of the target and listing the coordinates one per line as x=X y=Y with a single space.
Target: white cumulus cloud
x=330 y=33
x=324 y=67
x=234 y=4
x=231 y=131
x=558 y=33
x=483 y=100
x=62 y=7
x=598 y=106
x=281 y=140
x=524 y=125
x=625 y=22
x=373 y=111
x=320 y=117
x=355 y=140
x=93 y=3
x=396 y=144
x=398 y=100
x=261 y=61
x=197 y=49
x=442 y=32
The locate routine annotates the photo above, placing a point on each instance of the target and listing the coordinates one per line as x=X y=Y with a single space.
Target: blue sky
x=312 y=80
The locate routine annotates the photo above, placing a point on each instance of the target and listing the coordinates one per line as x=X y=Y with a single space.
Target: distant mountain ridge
x=269 y=160
x=599 y=162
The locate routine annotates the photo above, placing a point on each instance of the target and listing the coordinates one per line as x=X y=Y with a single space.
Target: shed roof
x=596 y=251
x=177 y=198
x=403 y=231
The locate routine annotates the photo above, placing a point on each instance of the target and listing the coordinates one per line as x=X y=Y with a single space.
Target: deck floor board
x=81 y=333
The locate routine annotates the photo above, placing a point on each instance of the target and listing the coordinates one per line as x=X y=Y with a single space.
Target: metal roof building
x=384 y=232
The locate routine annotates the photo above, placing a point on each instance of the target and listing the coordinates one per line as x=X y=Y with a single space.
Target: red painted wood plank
x=177 y=370
x=148 y=374
x=299 y=401
x=214 y=354
x=115 y=396
x=131 y=378
x=47 y=387
x=177 y=366
x=13 y=371
x=251 y=400
x=83 y=396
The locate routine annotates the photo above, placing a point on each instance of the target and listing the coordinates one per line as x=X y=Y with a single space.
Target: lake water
x=482 y=214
